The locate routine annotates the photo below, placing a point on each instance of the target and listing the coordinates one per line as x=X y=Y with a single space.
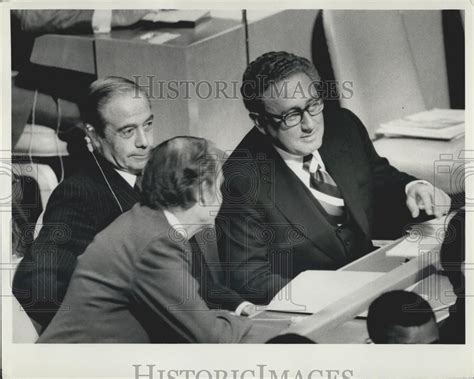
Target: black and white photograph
x=176 y=177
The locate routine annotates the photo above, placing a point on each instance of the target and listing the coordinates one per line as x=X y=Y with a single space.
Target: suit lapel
x=336 y=154
x=126 y=194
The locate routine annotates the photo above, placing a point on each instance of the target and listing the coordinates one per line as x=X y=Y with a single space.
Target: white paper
x=444 y=124
x=176 y=15
x=422 y=238
x=311 y=291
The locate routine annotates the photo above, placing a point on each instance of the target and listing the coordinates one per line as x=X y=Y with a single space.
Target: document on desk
x=311 y=291
x=422 y=238
x=442 y=124
x=174 y=16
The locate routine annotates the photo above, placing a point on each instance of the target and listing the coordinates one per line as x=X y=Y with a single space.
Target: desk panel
x=68 y=52
x=337 y=323
x=212 y=52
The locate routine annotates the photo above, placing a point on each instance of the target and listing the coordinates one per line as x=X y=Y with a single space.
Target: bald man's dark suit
x=79 y=208
x=272 y=228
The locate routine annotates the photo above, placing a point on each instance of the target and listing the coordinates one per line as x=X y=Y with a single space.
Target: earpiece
x=89 y=144
x=90 y=129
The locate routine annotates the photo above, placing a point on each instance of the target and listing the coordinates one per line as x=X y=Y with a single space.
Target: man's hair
x=453 y=250
x=402 y=308
x=100 y=92
x=268 y=69
x=176 y=170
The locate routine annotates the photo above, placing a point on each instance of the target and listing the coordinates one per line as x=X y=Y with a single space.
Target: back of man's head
x=453 y=251
x=177 y=169
x=101 y=92
x=401 y=317
x=268 y=69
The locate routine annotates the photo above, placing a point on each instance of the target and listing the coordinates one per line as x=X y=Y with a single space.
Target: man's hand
x=434 y=201
x=249 y=310
x=126 y=17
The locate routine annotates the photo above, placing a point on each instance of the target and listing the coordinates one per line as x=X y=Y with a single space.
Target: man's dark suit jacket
x=134 y=284
x=79 y=208
x=272 y=228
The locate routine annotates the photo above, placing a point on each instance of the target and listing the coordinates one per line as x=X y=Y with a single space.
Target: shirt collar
x=292 y=159
x=129 y=178
x=174 y=222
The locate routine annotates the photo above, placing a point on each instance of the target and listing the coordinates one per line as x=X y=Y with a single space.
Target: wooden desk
x=435 y=287
x=213 y=52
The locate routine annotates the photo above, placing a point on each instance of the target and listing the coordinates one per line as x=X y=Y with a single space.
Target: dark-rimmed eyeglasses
x=295 y=116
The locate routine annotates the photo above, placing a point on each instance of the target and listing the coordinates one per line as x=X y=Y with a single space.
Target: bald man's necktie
x=326 y=190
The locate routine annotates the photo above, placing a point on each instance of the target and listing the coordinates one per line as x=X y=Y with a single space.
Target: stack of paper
x=311 y=291
x=422 y=238
x=443 y=124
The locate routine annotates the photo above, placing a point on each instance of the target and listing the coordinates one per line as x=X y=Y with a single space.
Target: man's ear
x=206 y=196
x=258 y=122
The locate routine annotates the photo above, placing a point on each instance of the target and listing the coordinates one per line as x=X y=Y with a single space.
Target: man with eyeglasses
x=305 y=189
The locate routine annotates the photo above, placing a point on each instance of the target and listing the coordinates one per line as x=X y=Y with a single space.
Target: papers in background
x=158 y=38
x=443 y=124
x=311 y=291
x=422 y=238
x=173 y=16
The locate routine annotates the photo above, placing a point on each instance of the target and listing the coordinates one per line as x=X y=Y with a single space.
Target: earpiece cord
x=33 y=123
x=108 y=184
x=58 y=125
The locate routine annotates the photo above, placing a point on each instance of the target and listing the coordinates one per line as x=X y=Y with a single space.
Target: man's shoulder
x=342 y=117
x=82 y=182
x=86 y=186
x=252 y=144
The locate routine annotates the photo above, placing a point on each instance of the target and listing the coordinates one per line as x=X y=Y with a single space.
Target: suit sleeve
x=43 y=275
x=391 y=214
x=212 y=291
x=55 y=21
x=165 y=289
x=244 y=240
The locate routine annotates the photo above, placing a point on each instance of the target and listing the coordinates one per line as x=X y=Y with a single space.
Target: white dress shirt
x=129 y=178
x=295 y=163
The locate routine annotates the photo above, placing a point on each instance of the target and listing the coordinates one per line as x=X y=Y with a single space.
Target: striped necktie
x=326 y=191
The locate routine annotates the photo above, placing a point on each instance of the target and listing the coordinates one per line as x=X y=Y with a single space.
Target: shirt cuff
x=102 y=21
x=412 y=183
x=241 y=307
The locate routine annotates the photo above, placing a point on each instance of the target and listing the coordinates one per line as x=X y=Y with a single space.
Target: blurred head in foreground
x=290 y=338
x=401 y=317
x=453 y=251
x=184 y=176
x=453 y=255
